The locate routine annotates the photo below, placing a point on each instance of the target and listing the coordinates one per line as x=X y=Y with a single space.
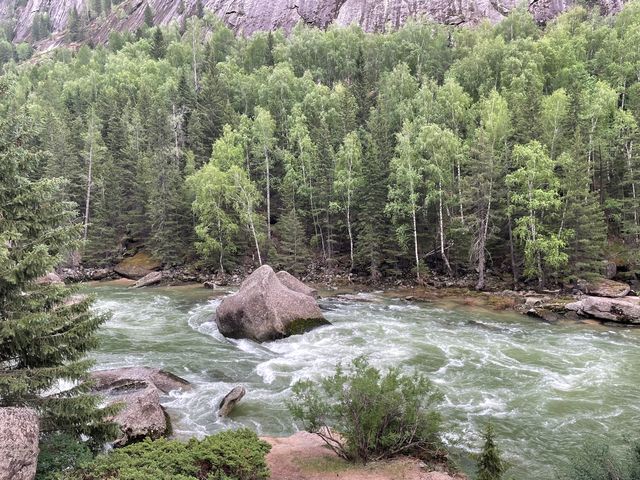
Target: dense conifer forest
x=502 y=149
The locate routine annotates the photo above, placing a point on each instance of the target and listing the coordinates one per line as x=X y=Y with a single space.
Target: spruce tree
x=148 y=16
x=45 y=330
x=490 y=464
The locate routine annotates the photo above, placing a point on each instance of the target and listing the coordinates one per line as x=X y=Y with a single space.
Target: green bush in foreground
x=61 y=452
x=364 y=415
x=231 y=455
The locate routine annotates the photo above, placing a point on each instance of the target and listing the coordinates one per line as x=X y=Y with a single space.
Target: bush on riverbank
x=364 y=415
x=230 y=455
x=596 y=461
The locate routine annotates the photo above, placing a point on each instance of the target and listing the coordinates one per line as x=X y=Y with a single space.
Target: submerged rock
x=138 y=266
x=266 y=309
x=230 y=400
x=19 y=435
x=623 y=310
x=150 y=279
x=139 y=389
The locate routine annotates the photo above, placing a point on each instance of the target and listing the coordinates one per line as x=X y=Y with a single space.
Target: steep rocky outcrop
x=248 y=16
x=266 y=309
x=19 y=433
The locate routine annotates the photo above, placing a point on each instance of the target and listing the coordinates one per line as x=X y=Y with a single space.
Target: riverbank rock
x=139 y=389
x=138 y=266
x=50 y=278
x=622 y=310
x=19 y=435
x=151 y=279
x=266 y=309
x=605 y=288
x=230 y=400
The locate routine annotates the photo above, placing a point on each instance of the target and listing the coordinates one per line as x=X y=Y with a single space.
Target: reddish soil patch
x=304 y=456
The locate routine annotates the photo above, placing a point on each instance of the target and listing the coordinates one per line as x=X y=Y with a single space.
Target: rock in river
x=266 y=309
x=148 y=280
x=139 y=389
x=19 y=434
x=623 y=310
x=138 y=266
x=230 y=400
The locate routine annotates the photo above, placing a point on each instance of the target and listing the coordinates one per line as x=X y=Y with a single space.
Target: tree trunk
x=89 y=181
x=441 y=228
x=266 y=160
x=415 y=241
x=482 y=243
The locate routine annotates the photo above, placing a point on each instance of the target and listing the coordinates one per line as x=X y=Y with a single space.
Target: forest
x=505 y=150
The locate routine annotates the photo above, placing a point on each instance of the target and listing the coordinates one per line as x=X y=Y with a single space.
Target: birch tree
x=441 y=150
x=486 y=170
x=406 y=197
x=264 y=142
x=348 y=177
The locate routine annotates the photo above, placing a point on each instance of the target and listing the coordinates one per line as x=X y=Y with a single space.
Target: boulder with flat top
x=266 y=309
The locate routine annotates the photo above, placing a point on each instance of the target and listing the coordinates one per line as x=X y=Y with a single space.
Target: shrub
x=230 y=455
x=60 y=452
x=596 y=461
x=490 y=464
x=364 y=415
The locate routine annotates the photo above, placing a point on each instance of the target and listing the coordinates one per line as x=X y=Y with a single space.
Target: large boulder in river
x=605 y=288
x=19 y=435
x=139 y=390
x=138 y=266
x=623 y=310
x=266 y=309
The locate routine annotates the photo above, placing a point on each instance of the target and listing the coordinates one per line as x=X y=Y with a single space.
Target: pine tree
x=45 y=330
x=148 y=16
x=75 y=26
x=158 y=45
x=490 y=465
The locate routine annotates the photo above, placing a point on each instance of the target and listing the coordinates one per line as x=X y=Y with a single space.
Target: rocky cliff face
x=248 y=16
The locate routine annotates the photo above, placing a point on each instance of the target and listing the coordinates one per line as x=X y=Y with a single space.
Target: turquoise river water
x=547 y=387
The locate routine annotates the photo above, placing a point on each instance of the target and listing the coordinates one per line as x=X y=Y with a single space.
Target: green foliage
x=45 y=330
x=60 y=453
x=365 y=415
x=230 y=455
x=596 y=461
x=436 y=181
x=490 y=464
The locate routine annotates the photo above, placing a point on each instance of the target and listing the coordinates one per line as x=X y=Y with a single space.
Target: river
x=547 y=387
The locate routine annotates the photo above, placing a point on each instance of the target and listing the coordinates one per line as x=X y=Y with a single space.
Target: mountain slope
x=248 y=16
